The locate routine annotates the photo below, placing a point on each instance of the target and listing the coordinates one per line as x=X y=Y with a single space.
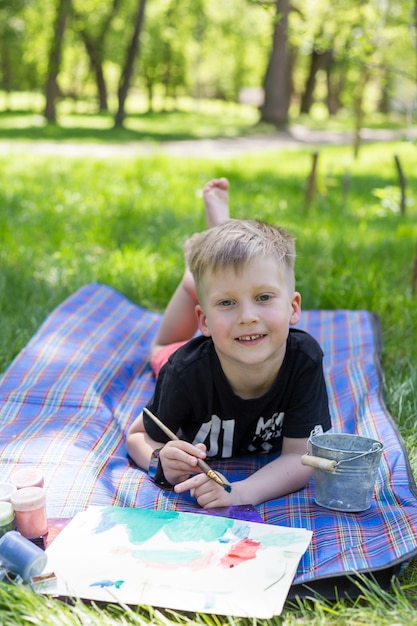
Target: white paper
x=183 y=561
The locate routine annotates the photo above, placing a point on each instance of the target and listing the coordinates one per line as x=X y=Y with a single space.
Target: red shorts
x=162 y=355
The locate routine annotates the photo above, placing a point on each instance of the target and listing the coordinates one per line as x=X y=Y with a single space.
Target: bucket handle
x=328 y=465
x=319 y=463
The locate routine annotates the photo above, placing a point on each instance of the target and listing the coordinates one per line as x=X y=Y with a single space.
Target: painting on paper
x=182 y=561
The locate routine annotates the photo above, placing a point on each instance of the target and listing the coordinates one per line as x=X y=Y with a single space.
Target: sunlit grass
x=21 y=118
x=185 y=119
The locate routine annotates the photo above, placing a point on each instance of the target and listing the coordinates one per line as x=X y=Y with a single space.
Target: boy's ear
x=202 y=321
x=295 y=308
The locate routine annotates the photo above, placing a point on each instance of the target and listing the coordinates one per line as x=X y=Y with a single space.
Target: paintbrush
x=201 y=464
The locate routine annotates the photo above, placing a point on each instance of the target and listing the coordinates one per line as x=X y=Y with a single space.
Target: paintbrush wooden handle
x=161 y=425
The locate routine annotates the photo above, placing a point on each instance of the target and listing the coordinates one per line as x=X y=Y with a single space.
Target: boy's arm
x=281 y=476
x=139 y=444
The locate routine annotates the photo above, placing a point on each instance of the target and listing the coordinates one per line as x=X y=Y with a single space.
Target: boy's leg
x=179 y=322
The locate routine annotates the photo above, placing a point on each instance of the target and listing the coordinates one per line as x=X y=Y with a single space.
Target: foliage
x=215 y=49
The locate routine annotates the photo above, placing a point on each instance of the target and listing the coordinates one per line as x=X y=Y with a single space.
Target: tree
x=163 y=52
x=93 y=37
x=55 y=56
x=319 y=60
x=10 y=31
x=129 y=65
x=367 y=44
x=277 y=81
x=19 y=66
x=323 y=34
x=300 y=51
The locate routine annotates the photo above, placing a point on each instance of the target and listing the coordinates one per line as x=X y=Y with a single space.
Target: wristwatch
x=155 y=471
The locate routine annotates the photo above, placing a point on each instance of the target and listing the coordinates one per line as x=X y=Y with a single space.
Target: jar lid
x=27 y=477
x=28 y=498
x=6 y=490
x=6 y=513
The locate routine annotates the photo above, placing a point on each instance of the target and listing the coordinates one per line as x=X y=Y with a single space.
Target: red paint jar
x=29 y=504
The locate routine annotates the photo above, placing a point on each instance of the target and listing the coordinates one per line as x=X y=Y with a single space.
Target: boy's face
x=247 y=313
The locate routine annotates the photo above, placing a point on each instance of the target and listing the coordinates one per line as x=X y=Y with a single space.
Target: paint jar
x=20 y=556
x=6 y=490
x=27 y=477
x=29 y=504
x=6 y=518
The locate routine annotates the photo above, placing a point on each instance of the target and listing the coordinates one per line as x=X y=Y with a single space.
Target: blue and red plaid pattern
x=68 y=398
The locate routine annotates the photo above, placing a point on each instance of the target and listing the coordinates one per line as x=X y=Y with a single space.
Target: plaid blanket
x=68 y=398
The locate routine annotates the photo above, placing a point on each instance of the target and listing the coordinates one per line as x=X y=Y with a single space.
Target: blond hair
x=236 y=242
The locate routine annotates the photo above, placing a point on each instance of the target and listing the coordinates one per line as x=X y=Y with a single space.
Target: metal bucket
x=345 y=469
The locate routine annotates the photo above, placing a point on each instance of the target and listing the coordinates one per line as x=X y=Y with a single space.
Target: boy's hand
x=179 y=460
x=208 y=493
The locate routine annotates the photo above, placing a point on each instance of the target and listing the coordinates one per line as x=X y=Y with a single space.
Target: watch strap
x=155 y=470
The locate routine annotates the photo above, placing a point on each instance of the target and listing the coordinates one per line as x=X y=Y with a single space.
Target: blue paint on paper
x=143 y=524
x=281 y=541
x=235 y=533
x=108 y=583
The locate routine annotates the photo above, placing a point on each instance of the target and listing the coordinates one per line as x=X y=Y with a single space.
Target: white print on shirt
x=266 y=433
x=213 y=428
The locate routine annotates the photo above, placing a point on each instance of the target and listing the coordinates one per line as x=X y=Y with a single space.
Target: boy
x=249 y=383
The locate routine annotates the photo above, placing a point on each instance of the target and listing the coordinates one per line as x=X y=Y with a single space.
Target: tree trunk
x=95 y=50
x=336 y=73
x=318 y=61
x=385 y=93
x=359 y=112
x=6 y=68
x=128 y=68
x=335 y=84
x=55 y=56
x=149 y=86
x=277 y=81
x=95 y=55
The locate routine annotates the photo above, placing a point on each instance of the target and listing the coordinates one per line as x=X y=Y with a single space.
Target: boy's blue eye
x=264 y=297
x=225 y=303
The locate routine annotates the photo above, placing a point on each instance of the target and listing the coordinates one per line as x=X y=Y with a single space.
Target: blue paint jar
x=20 y=556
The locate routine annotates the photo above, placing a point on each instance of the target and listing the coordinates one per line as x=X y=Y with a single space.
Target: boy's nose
x=247 y=313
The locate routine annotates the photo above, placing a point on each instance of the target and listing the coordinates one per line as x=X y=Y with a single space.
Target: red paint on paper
x=240 y=552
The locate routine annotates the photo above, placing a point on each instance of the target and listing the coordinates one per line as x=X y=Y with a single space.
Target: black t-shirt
x=195 y=400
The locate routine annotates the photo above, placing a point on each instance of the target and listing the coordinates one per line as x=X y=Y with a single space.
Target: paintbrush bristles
x=201 y=464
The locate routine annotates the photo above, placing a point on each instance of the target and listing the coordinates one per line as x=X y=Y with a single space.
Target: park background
x=113 y=115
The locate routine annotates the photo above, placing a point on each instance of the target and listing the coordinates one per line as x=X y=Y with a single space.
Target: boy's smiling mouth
x=250 y=337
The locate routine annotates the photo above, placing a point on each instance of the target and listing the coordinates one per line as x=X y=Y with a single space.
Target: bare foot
x=216 y=204
x=216 y=201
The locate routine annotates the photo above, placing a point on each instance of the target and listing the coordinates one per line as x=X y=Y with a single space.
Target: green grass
x=65 y=222
x=206 y=120
x=21 y=119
